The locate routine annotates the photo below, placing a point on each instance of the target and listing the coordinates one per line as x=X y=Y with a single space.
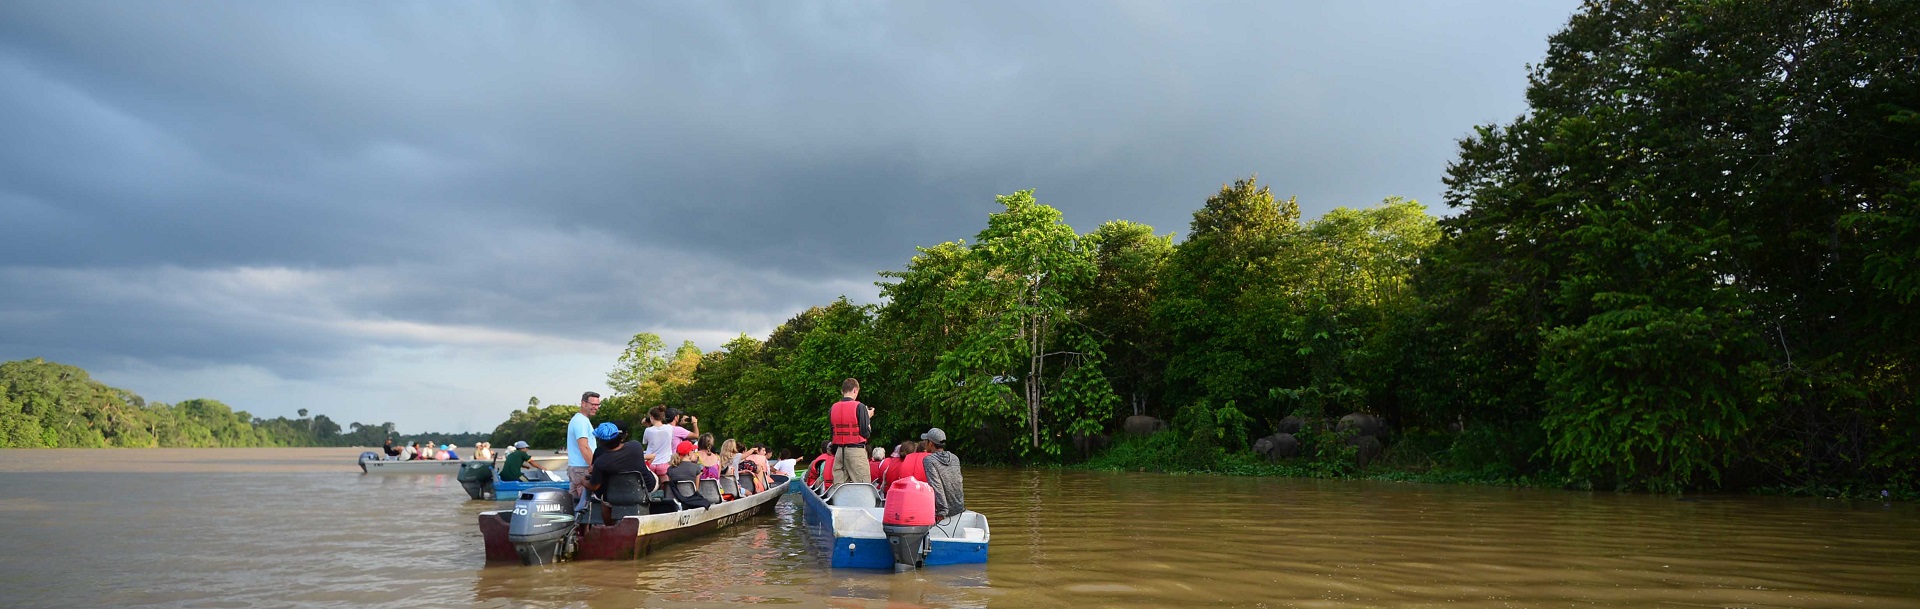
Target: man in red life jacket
x=851 y=427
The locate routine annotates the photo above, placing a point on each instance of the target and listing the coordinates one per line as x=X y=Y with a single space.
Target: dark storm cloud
x=276 y=184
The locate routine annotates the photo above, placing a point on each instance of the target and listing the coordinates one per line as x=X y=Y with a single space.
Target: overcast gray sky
x=426 y=212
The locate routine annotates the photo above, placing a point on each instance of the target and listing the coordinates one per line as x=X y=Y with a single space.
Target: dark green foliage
x=1691 y=264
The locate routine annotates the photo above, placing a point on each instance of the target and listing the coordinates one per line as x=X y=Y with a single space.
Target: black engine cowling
x=542 y=525
x=477 y=477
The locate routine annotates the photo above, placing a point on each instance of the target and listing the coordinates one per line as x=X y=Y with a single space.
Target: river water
x=303 y=527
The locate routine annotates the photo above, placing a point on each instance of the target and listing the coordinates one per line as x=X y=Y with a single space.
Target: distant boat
x=849 y=520
x=373 y=463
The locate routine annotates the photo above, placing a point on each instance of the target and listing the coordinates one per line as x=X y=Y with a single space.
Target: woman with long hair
x=709 y=462
x=729 y=459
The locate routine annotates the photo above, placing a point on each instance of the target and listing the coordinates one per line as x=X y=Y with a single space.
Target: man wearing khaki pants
x=852 y=424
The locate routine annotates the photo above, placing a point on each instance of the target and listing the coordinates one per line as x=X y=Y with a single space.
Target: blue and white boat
x=848 y=517
x=482 y=483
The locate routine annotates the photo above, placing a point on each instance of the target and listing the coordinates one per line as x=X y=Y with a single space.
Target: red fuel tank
x=909 y=503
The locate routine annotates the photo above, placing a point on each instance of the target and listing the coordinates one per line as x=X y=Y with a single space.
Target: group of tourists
x=847 y=459
x=674 y=450
x=445 y=452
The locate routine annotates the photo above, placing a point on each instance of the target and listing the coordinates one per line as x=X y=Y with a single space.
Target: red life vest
x=914 y=466
x=825 y=463
x=846 y=423
x=876 y=470
x=889 y=472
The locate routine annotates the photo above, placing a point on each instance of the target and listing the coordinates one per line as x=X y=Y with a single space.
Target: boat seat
x=687 y=494
x=710 y=488
x=730 y=486
x=745 y=482
x=854 y=494
x=628 y=493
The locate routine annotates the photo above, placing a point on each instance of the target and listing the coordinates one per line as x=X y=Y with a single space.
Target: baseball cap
x=685 y=448
x=934 y=434
x=607 y=430
x=520 y=444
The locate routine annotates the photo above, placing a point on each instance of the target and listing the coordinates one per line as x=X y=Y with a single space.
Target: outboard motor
x=542 y=525
x=477 y=477
x=907 y=520
x=365 y=457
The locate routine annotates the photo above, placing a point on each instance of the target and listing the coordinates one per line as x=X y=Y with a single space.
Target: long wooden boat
x=423 y=466
x=633 y=537
x=848 y=518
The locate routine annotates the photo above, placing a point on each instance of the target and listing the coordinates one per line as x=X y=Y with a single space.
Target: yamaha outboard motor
x=542 y=525
x=477 y=477
x=907 y=520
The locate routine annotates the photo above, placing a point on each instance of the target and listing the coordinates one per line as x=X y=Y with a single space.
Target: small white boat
x=373 y=463
x=848 y=519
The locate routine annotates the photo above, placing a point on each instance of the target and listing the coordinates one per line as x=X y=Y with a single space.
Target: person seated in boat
x=483 y=451
x=755 y=462
x=914 y=464
x=453 y=452
x=943 y=474
x=685 y=467
x=517 y=459
x=877 y=465
x=709 y=460
x=890 y=467
x=730 y=458
x=389 y=450
x=820 y=470
x=786 y=463
x=614 y=455
x=410 y=452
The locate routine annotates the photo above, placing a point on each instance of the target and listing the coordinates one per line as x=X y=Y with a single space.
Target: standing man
x=851 y=426
x=580 y=444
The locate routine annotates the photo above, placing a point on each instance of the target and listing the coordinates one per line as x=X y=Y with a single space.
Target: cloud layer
x=356 y=207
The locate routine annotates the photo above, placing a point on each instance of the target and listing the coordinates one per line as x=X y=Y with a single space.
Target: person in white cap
x=510 y=471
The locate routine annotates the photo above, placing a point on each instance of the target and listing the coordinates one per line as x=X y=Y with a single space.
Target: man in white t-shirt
x=580 y=443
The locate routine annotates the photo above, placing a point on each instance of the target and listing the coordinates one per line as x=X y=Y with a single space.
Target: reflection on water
x=242 y=528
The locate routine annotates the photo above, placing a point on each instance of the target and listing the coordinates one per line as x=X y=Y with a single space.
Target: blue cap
x=606 y=431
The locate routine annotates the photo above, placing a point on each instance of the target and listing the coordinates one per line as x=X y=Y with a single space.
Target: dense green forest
x=1691 y=264
x=49 y=405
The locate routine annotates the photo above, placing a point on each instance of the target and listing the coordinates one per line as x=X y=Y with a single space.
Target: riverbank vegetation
x=49 y=405
x=1692 y=264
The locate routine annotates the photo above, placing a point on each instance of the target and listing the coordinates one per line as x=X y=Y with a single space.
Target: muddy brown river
x=303 y=527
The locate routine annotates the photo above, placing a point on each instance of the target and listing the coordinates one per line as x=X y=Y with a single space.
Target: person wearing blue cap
x=616 y=455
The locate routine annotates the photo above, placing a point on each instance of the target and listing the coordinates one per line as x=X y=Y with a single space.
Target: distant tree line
x=1691 y=264
x=49 y=405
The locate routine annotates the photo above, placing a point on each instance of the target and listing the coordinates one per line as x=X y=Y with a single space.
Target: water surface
x=303 y=527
